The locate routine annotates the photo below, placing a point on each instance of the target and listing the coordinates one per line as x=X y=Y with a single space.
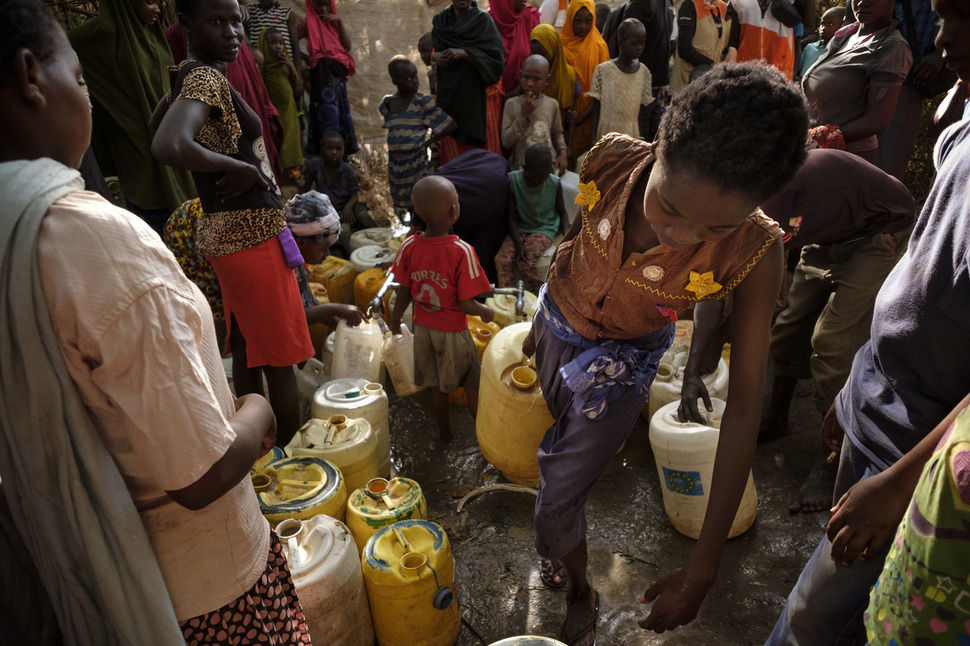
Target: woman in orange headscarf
x=585 y=49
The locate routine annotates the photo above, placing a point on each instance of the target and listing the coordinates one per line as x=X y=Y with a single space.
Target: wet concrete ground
x=631 y=540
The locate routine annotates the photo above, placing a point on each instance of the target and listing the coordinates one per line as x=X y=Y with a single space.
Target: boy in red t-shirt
x=442 y=275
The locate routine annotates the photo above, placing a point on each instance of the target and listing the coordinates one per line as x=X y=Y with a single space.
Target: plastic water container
x=325 y=565
x=504 y=306
x=300 y=488
x=398 y=356
x=545 y=260
x=408 y=318
x=570 y=189
x=275 y=453
x=371 y=256
x=319 y=292
x=357 y=351
x=482 y=334
x=350 y=444
x=319 y=331
x=379 y=236
x=528 y=640
x=512 y=416
x=685 y=463
x=337 y=275
x=669 y=381
x=358 y=398
x=410 y=577
x=381 y=503
x=366 y=286
x=314 y=374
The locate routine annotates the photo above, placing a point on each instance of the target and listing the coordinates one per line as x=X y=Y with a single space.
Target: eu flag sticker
x=687 y=483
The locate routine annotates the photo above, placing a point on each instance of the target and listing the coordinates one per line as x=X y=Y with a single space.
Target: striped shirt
x=260 y=19
x=406 y=134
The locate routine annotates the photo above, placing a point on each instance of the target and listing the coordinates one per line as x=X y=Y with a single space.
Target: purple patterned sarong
x=577 y=448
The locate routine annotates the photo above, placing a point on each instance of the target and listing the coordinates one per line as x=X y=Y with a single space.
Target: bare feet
x=552 y=573
x=816 y=493
x=582 y=612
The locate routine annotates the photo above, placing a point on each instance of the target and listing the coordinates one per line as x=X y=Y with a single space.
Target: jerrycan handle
x=325 y=535
x=404 y=541
x=289 y=530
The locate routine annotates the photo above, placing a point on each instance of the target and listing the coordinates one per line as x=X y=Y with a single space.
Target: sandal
x=557 y=570
x=581 y=637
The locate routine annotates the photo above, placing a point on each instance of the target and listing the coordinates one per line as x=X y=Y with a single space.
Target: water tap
x=376 y=307
x=519 y=292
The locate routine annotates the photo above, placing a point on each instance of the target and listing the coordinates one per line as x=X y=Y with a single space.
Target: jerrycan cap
x=523 y=377
x=665 y=372
x=376 y=489
x=261 y=481
x=289 y=528
x=444 y=595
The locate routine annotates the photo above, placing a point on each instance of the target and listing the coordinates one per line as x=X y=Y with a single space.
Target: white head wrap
x=312 y=215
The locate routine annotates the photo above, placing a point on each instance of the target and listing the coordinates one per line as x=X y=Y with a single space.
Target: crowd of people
x=730 y=168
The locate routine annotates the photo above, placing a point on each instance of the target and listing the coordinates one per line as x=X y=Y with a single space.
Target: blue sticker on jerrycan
x=687 y=483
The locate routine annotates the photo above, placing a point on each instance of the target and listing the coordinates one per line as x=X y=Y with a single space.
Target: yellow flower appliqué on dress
x=588 y=195
x=703 y=284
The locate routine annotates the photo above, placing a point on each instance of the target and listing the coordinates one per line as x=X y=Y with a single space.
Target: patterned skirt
x=269 y=613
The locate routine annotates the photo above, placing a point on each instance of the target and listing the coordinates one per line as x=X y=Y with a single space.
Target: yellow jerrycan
x=337 y=276
x=410 y=575
x=366 y=285
x=482 y=334
x=512 y=415
x=383 y=502
x=325 y=566
x=685 y=463
x=319 y=331
x=349 y=444
x=275 y=453
x=299 y=488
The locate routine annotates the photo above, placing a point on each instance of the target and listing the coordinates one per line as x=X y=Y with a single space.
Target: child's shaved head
x=433 y=198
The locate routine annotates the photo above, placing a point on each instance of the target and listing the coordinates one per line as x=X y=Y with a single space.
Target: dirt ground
x=631 y=540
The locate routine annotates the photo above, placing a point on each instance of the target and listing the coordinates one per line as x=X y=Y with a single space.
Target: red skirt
x=261 y=292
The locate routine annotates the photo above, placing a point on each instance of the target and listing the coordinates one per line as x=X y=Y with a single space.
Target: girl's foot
x=552 y=574
x=579 y=628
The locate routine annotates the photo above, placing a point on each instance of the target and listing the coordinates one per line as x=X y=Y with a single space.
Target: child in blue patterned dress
x=408 y=115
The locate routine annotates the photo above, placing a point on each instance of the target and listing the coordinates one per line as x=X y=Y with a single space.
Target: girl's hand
x=237 y=182
x=340 y=312
x=692 y=390
x=676 y=599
